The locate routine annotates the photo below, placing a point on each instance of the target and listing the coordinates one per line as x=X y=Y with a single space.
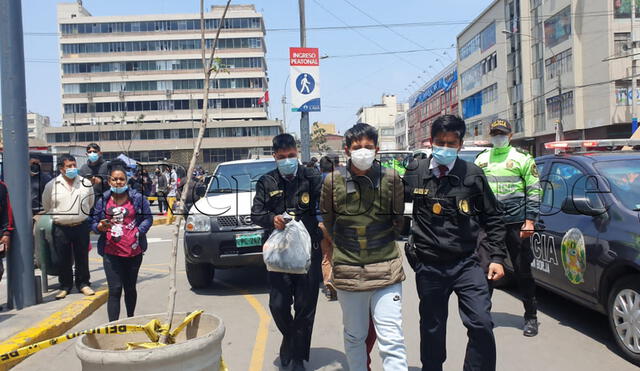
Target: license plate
x=249 y=240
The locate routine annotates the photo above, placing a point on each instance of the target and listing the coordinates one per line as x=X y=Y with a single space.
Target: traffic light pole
x=305 y=136
x=21 y=279
x=634 y=84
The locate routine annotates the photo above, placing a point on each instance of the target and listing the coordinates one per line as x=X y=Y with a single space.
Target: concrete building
x=518 y=55
x=435 y=98
x=383 y=117
x=401 y=131
x=128 y=73
x=36 y=125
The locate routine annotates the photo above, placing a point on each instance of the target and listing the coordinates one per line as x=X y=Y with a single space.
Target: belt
x=68 y=225
x=358 y=245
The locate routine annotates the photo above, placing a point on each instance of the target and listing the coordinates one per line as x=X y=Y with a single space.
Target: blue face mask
x=444 y=155
x=119 y=190
x=93 y=157
x=71 y=173
x=288 y=166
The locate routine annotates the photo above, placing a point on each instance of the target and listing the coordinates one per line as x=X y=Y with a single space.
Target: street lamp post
x=559 y=127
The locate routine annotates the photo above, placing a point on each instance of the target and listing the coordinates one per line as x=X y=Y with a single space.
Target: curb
x=55 y=325
x=163 y=221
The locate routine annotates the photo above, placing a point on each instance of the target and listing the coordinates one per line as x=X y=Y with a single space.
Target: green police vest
x=363 y=229
x=513 y=178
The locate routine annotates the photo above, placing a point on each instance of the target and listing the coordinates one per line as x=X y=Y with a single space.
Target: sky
x=348 y=82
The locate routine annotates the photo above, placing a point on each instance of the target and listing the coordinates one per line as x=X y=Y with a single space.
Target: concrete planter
x=198 y=347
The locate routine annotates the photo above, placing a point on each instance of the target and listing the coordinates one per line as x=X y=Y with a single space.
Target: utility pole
x=304 y=118
x=634 y=87
x=284 y=113
x=21 y=279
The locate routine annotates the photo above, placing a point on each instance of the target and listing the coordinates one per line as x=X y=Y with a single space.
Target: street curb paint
x=163 y=220
x=55 y=325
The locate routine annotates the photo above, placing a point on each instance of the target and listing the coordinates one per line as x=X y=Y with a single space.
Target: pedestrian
x=293 y=189
x=6 y=225
x=362 y=205
x=147 y=183
x=135 y=181
x=38 y=180
x=95 y=169
x=513 y=178
x=163 y=189
x=69 y=199
x=451 y=203
x=122 y=219
x=327 y=166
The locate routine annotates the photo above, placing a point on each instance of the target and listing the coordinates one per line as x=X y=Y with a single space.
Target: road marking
x=260 y=346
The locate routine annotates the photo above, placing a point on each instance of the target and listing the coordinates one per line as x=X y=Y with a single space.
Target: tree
x=319 y=139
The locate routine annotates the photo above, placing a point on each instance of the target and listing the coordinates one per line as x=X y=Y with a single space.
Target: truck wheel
x=199 y=275
x=624 y=316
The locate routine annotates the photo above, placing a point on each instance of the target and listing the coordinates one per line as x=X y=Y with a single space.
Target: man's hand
x=278 y=222
x=527 y=229
x=496 y=271
x=5 y=242
x=96 y=180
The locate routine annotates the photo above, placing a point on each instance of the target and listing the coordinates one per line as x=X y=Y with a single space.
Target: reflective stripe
x=508 y=196
x=504 y=179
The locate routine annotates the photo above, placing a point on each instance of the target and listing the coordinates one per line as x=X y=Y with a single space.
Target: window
x=623 y=93
x=559 y=64
x=117 y=47
x=472 y=78
x=621 y=42
x=555 y=104
x=470 y=47
x=472 y=106
x=490 y=94
x=488 y=37
x=622 y=8
x=558 y=28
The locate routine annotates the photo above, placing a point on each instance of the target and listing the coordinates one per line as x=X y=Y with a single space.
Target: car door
x=566 y=245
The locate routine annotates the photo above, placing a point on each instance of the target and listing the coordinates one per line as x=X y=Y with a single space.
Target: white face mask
x=500 y=141
x=363 y=158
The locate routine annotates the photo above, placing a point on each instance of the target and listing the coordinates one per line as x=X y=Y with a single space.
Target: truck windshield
x=233 y=178
x=624 y=178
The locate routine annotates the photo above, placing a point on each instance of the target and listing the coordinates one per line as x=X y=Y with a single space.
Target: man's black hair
x=63 y=158
x=283 y=141
x=360 y=131
x=93 y=146
x=117 y=165
x=449 y=123
x=327 y=164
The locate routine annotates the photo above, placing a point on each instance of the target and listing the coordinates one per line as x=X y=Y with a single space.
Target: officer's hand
x=278 y=222
x=527 y=229
x=496 y=271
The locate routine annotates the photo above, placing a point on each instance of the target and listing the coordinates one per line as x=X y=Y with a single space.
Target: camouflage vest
x=363 y=230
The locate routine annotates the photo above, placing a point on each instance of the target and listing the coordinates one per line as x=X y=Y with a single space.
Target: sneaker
x=530 y=328
x=62 y=294
x=87 y=291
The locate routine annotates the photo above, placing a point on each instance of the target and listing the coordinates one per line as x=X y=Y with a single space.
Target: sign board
x=304 y=76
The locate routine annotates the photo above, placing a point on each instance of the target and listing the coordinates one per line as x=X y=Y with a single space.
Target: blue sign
x=305 y=83
x=445 y=83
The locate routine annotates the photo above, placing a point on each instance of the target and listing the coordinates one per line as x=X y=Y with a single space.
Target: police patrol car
x=587 y=242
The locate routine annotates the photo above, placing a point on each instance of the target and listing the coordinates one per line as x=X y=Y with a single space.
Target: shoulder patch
x=534 y=170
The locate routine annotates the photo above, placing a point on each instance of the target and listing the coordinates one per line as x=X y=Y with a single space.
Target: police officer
x=513 y=177
x=451 y=203
x=291 y=189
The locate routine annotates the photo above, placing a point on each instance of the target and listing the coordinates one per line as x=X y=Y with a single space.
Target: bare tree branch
x=207 y=69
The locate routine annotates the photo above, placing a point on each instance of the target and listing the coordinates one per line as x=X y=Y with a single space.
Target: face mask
x=93 y=157
x=71 y=173
x=35 y=169
x=444 y=155
x=288 y=166
x=500 y=141
x=363 y=158
x=119 y=190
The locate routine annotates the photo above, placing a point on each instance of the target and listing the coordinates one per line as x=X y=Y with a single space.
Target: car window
x=566 y=180
x=239 y=177
x=560 y=183
x=540 y=166
x=624 y=179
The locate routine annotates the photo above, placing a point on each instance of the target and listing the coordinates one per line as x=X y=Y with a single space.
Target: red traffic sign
x=304 y=57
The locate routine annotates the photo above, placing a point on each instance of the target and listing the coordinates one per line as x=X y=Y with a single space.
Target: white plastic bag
x=288 y=250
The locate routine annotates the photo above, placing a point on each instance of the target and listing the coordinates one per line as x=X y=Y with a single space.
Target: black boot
x=530 y=328
x=285 y=353
x=298 y=365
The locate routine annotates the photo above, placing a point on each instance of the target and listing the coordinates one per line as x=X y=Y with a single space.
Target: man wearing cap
x=513 y=178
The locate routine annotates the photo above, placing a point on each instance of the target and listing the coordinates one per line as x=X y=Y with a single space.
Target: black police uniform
x=300 y=195
x=448 y=214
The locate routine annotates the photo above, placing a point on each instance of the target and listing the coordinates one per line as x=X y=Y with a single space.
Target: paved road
x=571 y=338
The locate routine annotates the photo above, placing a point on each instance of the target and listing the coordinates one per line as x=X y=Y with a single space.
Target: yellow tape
x=154 y=329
